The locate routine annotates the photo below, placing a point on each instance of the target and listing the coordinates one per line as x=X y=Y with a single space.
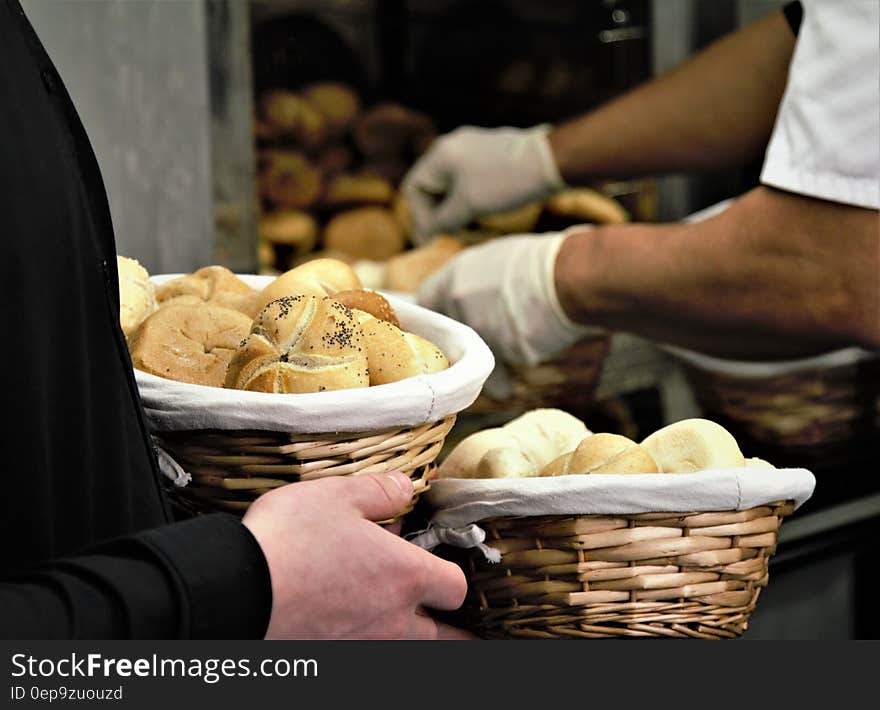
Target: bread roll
x=301 y=344
x=318 y=277
x=392 y=168
x=288 y=179
x=583 y=204
x=348 y=190
x=289 y=114
x=191 y=344
x=515 y=221
x=333 y=159
x=392 y=129
x=407 y=271
x=371 y=273
x=337 y=103
x=369 y=302
x=394 y=354
x=293 y=228
x=137 y=294
x=603 y=453
x=756 y=462
x=521 y=447
x=365 y=233
x=693 y=445
x=213 y=285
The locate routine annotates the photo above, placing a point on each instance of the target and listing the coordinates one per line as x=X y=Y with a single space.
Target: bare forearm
x=716 y=109
x=776 y=275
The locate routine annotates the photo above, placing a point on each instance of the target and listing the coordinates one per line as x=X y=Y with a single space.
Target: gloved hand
x=505 y=290
x=472 y=172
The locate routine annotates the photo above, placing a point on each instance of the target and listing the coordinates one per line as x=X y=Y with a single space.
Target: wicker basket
x=823 y=413
x=647 y=575
x=248 y=443
x=566 y=382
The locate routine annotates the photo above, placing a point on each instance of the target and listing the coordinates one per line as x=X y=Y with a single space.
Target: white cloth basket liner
x=179 y=406
x=459 y=504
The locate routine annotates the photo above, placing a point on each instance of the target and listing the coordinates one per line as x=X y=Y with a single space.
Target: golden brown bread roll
x=693 y=445
x=189 y=343
x=583 y=204
x=214 y=285
x=346 y=190
x=288 y=179
x=408 y=270
x=392 y=168
x=301 y=344
x=603 y=453
x=392 y=129
x=137 y=294
x=317 y=277
x=394 y=354
x=293 y=228
x=333 y=159
x=369 y=302
x=515 y=221
x=337 y=103
x=365 y=233
x=287 y=113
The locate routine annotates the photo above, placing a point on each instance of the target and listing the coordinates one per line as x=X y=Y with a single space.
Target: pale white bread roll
x=318 y=277
x=213 y=285
x=137 y=294
x=603 y=453
x=301 y=344
x=372 y=273
x=394 y=354
x=756 y=462
x=405 y=272
x=531 y=441
x=693 y=445
x=189 y=343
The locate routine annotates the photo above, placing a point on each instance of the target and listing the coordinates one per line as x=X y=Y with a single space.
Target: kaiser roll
x=318 y=277
x=214 y=285
x=137 y=295
x=365 y=233
x=301 y=344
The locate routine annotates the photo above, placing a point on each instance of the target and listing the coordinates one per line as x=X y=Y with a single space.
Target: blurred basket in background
x=823 y=412
x=221 y=448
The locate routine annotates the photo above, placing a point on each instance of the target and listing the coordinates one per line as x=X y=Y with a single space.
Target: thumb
x=378 y=496
x=451 y=214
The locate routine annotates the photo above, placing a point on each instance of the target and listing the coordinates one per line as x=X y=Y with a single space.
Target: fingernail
x=402 y=481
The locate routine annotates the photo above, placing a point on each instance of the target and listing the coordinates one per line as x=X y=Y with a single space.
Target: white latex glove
x=472 y=172
x=506 y=291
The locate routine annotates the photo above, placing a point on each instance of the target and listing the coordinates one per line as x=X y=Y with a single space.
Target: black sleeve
x=794 y=13
x=159 y=584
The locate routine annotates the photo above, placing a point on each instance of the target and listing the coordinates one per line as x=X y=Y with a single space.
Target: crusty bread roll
x=516 y=221
x=394 y=354
x=365 y=233
x=290 y=114
x=189 y=343
x=392 y=129
x=214 y=285
x=520 y=448
x=369 y=302
x=333 y=159
x=348 y=190
x=392 y=168
x=407 y=271
x=337 y=103
x=693 y=445
x=293 y=228
x=603 y=453
x=288 y=179
x=583 y=204
x=301 y=344
x=137 y=294
x=318 y=277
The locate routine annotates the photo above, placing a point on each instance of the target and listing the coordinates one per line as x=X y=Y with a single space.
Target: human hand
x=505 y=290
x=338 y=575
x=472 y=172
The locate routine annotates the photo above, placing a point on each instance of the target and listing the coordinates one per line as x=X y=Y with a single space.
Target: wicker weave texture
x=647 y=575
x=566 y=381
x=231 y=469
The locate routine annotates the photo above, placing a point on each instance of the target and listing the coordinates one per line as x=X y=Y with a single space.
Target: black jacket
x=77 y=464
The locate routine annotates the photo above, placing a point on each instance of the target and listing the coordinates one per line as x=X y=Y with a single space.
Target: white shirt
x=826 y=141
